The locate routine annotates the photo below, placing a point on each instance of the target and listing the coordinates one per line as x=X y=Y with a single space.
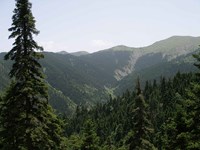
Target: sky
x=92 y=25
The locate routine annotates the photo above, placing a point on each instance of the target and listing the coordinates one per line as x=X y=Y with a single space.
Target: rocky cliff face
x=120 y=73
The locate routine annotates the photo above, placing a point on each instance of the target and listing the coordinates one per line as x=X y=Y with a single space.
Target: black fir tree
x=28 y=122
x=90 y=140
x=193 y=111
x=141 y=126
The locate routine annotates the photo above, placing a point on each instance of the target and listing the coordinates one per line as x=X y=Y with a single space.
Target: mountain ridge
x=168 y=49
x=130 y=48
x=89 y=79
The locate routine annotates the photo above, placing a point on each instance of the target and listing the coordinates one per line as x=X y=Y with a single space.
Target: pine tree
x=141 y=126
x=27 y=119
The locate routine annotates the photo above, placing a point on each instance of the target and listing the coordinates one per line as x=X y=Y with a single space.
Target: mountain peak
x=80 y=53
x=178 y=36
x=63 y=52
x=121 y=48
x=177 y=39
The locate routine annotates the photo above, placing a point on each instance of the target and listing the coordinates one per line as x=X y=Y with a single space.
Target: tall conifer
x=91 y=140
x=28 y=120
x=141 y=126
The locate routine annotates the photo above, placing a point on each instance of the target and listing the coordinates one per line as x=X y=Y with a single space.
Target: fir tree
x=174 y=128
x=183 y=131
x=193 y=111
x=197 y=64
x=90 y=140
x=27 y=119
x=141 y=126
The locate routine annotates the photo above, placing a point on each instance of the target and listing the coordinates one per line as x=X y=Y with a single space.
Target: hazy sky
x=91 y=25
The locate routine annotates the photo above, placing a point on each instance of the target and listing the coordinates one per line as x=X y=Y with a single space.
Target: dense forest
x=163 y=115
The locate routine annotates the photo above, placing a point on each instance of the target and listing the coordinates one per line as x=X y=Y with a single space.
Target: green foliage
x=74 y=142
x=75 y=78
x=193 y=111
x=90 y=139
x=182 y=130
x=141 y=124
x=117 y=121
x=61 y=103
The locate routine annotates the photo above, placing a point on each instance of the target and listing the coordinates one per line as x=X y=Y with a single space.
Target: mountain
x=63 y=52
x=74 y=77
x=71 y=81
x=80 y=53
x=183 y=64
x=121 y=61
x=89 y=78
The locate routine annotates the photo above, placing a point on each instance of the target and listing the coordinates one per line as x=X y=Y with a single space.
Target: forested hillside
x=168 y=69
x=159 y=116
x=88 y=79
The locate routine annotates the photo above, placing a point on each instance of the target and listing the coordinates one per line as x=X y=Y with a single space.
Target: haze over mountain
x=86 y=79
